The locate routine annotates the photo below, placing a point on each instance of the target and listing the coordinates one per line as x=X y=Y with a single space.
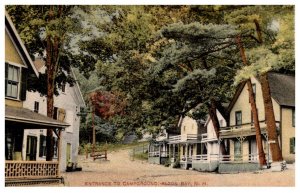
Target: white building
x=66 y=107
x=209 y=161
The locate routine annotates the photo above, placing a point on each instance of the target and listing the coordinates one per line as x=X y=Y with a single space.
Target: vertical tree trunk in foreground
x=261 y=154
x=269 y=111
x=270 y=119
x=52 y=54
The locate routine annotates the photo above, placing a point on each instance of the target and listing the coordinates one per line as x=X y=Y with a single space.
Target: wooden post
x=94 y=132
x=59 y=151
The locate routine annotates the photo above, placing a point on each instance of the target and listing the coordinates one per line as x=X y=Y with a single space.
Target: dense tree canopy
x=164 y=60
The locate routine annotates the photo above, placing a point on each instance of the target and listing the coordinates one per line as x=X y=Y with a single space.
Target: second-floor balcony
x=246 y=129
x=192 y=138
x=205 y=137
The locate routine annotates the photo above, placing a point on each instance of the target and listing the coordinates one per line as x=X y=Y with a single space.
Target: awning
x=27 y=119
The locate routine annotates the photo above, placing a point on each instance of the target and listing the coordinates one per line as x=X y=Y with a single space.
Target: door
x=68 y=156
x=253 y=150
x=237 y=150
x=31 y=148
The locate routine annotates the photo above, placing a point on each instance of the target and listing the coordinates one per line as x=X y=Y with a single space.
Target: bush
x=167 y=163
x=176 y=164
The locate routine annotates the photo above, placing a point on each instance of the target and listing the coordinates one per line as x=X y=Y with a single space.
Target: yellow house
x=241 y=132
x=188 y=144
x=18 y=66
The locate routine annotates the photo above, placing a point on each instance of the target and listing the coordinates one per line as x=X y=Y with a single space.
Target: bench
x=99 y=155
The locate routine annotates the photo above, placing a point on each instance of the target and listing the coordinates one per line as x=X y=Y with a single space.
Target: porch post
x=159 y=151
x=59 y=151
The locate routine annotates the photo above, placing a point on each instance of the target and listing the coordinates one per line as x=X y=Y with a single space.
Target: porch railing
x=247 y=158
x=158 y=154
x=31 y=169
x=205 y=158
x=186 y=160
x=184 y=138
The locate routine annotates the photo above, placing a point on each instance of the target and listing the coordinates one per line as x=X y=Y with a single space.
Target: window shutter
x=6 y=76
x=61 y=114
x=292 y=145
x=23 y=84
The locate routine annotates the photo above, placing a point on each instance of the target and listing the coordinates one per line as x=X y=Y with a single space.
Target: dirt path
x=121 y=171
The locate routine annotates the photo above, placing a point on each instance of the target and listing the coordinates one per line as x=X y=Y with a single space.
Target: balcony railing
x=245 y=129
x=31 y=169
x=184 y=138
x=206 y=138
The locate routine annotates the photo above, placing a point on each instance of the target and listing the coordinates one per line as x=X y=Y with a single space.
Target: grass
x=112 y=146
x=141 y=156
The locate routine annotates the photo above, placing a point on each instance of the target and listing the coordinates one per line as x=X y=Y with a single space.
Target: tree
x=46 y=30
x=202 y=55
x=271 y=44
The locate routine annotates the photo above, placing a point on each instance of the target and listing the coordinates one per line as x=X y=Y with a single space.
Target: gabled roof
x=9 y=26
x=80 y=97
x=282 y=87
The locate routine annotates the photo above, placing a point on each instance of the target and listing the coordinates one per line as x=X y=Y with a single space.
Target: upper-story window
x=12 y=80
x=55 y=113
x=293 y=118
x=36 y=106
x=238 y=117
x=63 y=88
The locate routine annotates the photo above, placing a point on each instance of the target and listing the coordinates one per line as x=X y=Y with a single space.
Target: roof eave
x=14 y=32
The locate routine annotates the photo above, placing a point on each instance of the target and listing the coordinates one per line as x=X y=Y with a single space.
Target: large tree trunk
x=269 y=111
x=270 y=118
x=52 y=52
x=214 y=118
x=261 y=154
x=50 y=90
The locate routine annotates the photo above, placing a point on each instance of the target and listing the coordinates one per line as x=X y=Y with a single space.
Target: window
x=238 y=117
x=293 y=118
x=12 y=77
x=63 y=87
x=36 y=106
x=42 y=151
x=55 y=146
x=55 y=110
x=292 y=145
x=237 y=150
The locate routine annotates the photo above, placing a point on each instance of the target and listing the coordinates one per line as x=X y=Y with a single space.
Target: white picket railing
x=183 y=138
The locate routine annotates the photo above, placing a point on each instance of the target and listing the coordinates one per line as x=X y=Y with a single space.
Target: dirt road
x=121 y=171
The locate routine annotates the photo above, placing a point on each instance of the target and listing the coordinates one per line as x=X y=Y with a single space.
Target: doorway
x=31 y=148
x=68 y=156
